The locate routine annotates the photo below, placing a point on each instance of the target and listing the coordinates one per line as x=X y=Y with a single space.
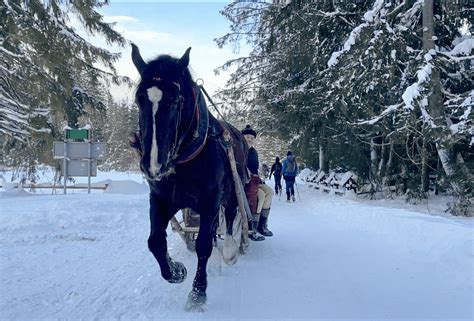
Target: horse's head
x=161 y=95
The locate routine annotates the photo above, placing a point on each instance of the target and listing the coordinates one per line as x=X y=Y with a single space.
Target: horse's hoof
x=196 y=301
x=178 y=272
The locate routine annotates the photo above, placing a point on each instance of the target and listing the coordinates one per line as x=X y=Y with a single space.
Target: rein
x=215 y=107
x=199 y=120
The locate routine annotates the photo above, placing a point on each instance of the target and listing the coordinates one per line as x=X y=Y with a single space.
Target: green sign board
x=77 y=134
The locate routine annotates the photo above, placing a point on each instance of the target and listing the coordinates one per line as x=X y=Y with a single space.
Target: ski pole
x=297 y=191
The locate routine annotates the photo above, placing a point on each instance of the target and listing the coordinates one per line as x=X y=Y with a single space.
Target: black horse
x=184 y=157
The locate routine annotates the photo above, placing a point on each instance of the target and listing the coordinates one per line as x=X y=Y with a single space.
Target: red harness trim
x=197 y=116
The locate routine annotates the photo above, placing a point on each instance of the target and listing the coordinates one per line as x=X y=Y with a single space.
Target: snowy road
x=85 y=257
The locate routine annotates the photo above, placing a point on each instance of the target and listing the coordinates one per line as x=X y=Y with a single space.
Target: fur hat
x=289 y=153
x=249 y=131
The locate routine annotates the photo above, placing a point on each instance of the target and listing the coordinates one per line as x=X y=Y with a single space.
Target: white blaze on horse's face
x=154 y=95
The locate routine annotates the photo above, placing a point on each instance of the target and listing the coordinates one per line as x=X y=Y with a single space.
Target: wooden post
x=89 y=167
x=65 y=167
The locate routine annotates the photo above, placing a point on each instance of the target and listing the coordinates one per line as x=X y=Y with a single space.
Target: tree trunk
x=424 y=167
x=462 y=205
x=388 y=166
x=373 y=160
x=323 y=151
x=321 y=156
x=382 y=162
x=428 y=26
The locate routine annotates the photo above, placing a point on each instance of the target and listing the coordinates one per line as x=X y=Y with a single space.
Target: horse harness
x=200 y=127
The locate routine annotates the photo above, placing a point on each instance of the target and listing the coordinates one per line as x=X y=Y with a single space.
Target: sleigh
x=186 y=224
x=187 y=227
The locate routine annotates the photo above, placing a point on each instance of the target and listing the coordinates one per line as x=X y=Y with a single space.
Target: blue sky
x=158 y=27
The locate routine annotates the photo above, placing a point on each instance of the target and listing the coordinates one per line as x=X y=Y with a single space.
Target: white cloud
x=110 y=19
x=205 y=55
x=148 y=36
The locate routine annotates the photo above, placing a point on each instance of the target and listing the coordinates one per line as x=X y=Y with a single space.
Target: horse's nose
x=155 y=168
x=150 y=171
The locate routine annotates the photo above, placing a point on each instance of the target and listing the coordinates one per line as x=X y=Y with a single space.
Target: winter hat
x=277 y=159
x=289 y=153
x=249 y=131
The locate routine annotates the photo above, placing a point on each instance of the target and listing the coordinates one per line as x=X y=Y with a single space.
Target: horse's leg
x=230 y=246
x=197 y=297
x=230 y=213
x=173 y=272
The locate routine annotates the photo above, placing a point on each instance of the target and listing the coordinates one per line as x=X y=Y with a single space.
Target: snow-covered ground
x=85 y=257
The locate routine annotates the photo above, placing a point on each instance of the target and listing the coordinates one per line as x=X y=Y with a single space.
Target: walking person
x=276 y=171
x=258 y=193
x=289 y=170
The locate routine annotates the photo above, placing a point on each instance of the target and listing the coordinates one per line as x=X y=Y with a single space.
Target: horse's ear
x=183 y=62
x=137 y=59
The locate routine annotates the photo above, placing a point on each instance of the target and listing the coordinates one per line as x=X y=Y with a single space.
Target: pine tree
x=122 y=120
x=345 y=78
x=45 y=65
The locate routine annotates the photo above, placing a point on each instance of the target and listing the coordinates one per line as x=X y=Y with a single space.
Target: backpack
x=278 y=168
x=291 y=167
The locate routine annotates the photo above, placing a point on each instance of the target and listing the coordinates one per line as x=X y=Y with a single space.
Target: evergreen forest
x=382 y=88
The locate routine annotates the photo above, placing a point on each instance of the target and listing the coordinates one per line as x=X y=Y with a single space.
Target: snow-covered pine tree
x=412 y=110
x=365 y=88
x=289 y=62
x=122 y=120
x=44 y=62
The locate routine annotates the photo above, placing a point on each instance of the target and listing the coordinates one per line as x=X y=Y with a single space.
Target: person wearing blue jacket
x=289 y=170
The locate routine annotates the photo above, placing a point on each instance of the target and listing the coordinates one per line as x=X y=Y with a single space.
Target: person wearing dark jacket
x=289 y=170
x=258 y=194
x=276 y=171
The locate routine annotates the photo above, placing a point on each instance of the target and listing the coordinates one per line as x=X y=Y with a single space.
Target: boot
x=287 y=196
x=293 y=198
x=253 y=234
x=262 y=223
